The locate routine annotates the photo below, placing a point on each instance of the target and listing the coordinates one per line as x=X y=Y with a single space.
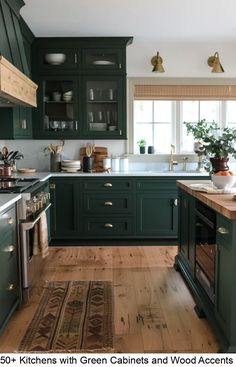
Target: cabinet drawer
x=107 y=204
x=8 y=226
x=107 y=185
x=156 y=184
x=224 y=231
x=9 y=294
x=107 y=226
x=8 y=257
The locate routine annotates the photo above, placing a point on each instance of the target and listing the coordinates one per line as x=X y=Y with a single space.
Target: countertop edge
x=6 y=200
x=221 y=203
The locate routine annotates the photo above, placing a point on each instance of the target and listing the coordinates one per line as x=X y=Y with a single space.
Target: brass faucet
x=172 y=162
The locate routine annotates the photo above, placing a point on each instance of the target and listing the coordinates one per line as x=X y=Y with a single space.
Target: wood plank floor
x=153 y=307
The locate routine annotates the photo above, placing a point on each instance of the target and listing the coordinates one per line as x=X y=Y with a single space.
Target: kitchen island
x=207 y=256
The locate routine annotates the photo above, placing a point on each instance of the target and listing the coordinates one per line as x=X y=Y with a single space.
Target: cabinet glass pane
x=102 y=59
x=58 y=105
x=102 y=105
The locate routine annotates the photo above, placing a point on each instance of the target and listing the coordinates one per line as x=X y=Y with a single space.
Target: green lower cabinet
x=9 y=279
x=157 y=215
x=220 y=310
x=225 y=305
x=66 y=217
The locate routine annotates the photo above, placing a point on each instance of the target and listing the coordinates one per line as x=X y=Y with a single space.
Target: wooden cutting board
x=98 y=155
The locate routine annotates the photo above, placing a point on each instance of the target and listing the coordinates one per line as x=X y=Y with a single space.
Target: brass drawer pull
x=11 y=287
x=108 y=184
x=108 y=225
x=10 y=248
x=222 y=230
x=10 y=220
x=108 y=203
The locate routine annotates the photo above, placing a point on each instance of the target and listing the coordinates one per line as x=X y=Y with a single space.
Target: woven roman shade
x=185 y=92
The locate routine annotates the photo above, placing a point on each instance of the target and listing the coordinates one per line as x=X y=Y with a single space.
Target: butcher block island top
x=221 y=203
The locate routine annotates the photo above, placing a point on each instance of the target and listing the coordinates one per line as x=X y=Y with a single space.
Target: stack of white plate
x=70 y=166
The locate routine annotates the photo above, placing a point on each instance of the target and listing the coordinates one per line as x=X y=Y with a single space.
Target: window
x=161 y=122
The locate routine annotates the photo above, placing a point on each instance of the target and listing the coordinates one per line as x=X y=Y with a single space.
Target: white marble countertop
x=46 y=175
x=7 y=200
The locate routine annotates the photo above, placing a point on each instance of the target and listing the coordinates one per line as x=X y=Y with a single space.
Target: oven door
x=31 y=263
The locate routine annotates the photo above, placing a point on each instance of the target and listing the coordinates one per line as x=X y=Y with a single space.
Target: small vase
x=142 y=150
x=219 y=164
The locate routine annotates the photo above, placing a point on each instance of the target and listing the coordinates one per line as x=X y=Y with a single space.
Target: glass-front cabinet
x=58 y=108
x=103 y=107
x=82 y=87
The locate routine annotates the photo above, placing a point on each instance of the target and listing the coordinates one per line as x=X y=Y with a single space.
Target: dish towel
x=40 y=244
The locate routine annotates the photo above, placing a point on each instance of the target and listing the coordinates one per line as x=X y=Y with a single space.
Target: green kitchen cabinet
x=108 y=207
x=66 y=216
x=187 y=230
x=157 y=208
x=58 y=114
x=9 y=280
x=98 y=66
x=16 y=123
x=104 y=107
x=225 y=267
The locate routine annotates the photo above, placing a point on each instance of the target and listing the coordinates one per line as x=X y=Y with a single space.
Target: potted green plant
x=217 y=144
x=142 y=146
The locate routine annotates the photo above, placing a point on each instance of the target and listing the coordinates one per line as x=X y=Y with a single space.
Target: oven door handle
x=26 y=226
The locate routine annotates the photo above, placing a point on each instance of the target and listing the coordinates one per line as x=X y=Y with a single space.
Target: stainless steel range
x=34 y=202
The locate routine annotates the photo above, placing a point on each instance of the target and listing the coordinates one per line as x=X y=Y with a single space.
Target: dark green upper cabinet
x=96 y=67
x=104 y=106
x=58 y=109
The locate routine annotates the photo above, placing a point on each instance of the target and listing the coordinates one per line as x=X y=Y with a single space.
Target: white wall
x=188 y=60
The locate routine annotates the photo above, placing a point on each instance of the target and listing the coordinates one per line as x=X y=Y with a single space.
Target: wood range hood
x=15 y=87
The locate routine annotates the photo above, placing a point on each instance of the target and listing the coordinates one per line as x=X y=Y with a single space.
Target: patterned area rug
x=71 y=317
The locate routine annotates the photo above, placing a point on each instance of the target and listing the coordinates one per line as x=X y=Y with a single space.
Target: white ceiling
x=159 y=20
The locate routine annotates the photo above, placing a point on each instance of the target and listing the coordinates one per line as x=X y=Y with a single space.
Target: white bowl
x=223 y=182
x=55 y=58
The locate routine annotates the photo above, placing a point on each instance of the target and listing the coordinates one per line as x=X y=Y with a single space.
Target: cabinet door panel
x=157 y=214
x=65 y=216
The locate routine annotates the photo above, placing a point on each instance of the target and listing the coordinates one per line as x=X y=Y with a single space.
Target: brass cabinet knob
x=108 y=184
x=108 y=203
x=108 y=225
x=222 y=230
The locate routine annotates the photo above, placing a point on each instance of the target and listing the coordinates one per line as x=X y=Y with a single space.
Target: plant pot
x=219 y=164
x=142 y=150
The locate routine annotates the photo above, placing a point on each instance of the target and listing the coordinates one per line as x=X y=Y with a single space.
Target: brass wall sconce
x=157 y=61
x=214 y=63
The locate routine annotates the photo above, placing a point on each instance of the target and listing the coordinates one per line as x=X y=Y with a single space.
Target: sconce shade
x=157 y=61
x=214 y=63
